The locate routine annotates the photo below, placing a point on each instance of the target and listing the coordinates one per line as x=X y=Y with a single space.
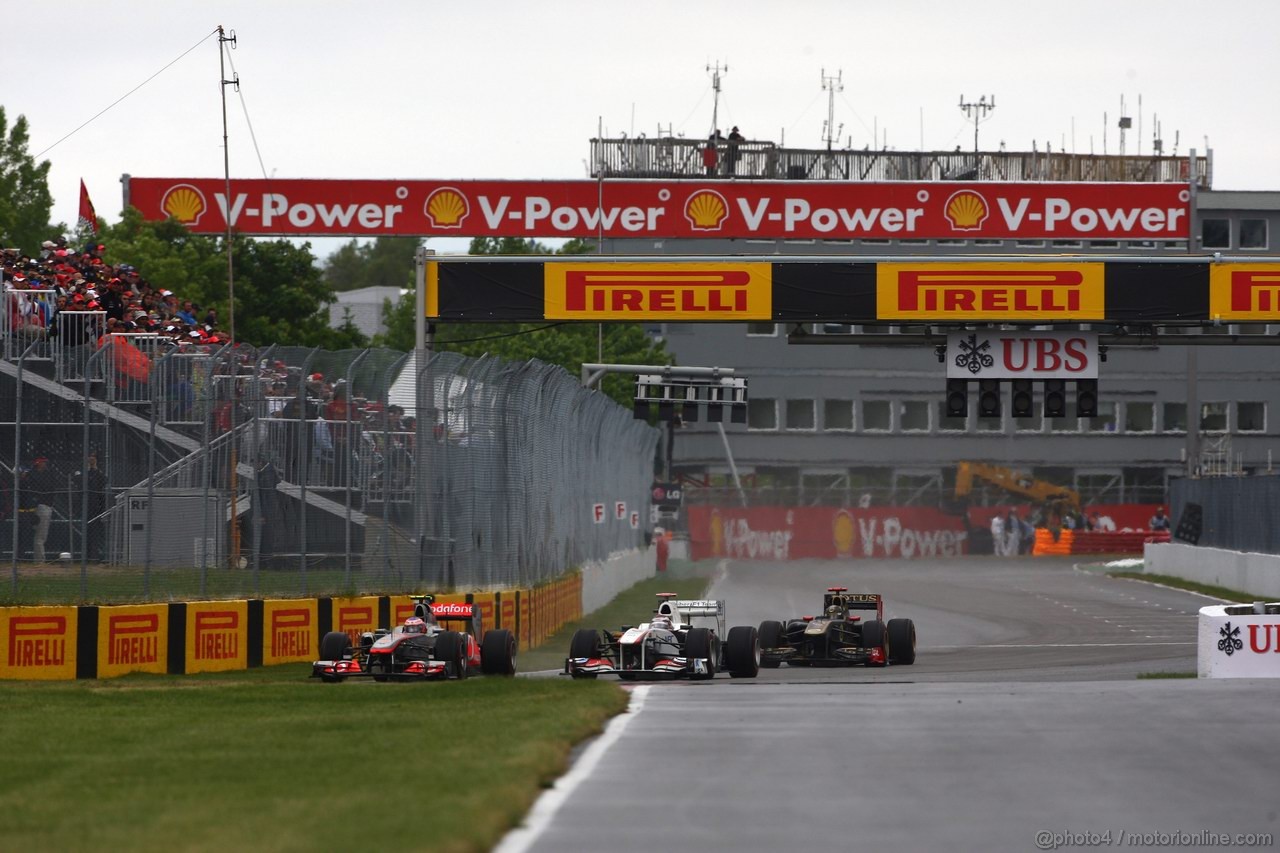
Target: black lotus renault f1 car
x=421 y=649
x=667 y=646
x=840 y=636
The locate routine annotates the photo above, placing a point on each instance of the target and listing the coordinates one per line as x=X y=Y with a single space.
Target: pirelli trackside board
x=1025 y=290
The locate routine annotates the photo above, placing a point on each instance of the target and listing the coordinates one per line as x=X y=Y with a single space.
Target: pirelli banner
x=1018 y=290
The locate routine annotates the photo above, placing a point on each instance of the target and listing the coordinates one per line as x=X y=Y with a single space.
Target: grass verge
x=1191 y=586
x=270 y=760
x=630 y=607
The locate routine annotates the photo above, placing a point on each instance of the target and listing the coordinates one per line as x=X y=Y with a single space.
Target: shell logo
x=447 y=207
x=842 y=533
x=966 y=210
x=184 y=203
x=706 y=210
x=717 y=534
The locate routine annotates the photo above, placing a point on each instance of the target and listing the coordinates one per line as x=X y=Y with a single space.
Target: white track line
x=544 y=810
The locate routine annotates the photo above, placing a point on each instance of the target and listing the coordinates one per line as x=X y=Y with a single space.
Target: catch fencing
x=1234 y=513
x=235 y=472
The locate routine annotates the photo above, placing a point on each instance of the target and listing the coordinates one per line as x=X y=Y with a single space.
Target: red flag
x=87 y=215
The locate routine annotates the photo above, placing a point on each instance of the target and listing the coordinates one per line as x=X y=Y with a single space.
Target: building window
x=1104 y=244
x=1213 y=417
x=837 y=415
x=1215 y=233
x=1105 y=421
x=1251 y=417
x=1139 y=417
x=1173 y=417
x=946 y=424
x=762 y=413
x=1064 y=424
x=800 y=414
x=913 y=416
x=762 y=330
x=1035 y=423
x=875 y=415
x=1253 y=233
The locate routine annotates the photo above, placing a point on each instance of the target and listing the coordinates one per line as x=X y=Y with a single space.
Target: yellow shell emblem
x=184 y=203
x=447 y=208
x=706 y=210
x=966 y=210
x=842 y=533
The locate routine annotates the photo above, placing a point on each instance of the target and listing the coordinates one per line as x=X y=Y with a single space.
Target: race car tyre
x=334 y=645
x=742 y=652
x=498 y=653
x=699 y=644
x=585 y=644
x=451 y=647
x=771 y=637
x=902 y=641
x=873 y=636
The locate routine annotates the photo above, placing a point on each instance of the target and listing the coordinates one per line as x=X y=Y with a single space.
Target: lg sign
x=1022 y=355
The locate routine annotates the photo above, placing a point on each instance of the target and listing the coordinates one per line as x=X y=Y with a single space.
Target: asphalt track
x=1022 y=715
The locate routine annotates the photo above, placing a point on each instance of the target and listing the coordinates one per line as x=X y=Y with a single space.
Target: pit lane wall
x=826 y=533
x=1256 y=574
x=831 y=533
x=68 y=642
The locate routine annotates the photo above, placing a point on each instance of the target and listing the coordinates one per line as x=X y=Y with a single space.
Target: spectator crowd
x=83 y=281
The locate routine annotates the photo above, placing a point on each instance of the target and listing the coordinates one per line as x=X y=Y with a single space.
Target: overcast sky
x=516 y=90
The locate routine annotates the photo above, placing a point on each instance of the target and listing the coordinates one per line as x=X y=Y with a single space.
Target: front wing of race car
x=340 y=670
x=822 y=642
x=663 y=668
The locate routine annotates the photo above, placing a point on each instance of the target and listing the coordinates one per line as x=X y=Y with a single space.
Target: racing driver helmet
x=660 y=621
x=415 y=625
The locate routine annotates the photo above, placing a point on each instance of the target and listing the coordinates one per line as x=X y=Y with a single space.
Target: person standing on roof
x=731 y=152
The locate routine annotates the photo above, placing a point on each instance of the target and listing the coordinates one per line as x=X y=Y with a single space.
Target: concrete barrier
x=1239 y=641
x=1255 y=574
x=602 y=580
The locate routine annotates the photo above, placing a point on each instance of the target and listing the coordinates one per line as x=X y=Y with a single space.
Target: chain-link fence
x=205 y=471
x=1236 y=513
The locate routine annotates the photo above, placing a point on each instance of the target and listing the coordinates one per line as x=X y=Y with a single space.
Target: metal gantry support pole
x=89 y=368
x=385 y=534
x=303 y=449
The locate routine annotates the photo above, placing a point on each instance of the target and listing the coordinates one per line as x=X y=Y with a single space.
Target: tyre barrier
x=92 y=641
x=1239 y=641
x=1094 y=541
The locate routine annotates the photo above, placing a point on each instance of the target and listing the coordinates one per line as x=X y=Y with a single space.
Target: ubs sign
x=1022 y=355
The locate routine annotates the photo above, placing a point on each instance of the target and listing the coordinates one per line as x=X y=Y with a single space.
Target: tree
x=569 y=345
x=386 y=262
x=281 y=295
x=25 y=200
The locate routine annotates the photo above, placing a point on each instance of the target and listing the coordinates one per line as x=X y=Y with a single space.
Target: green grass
x=271 y=760
x=1192 y=586
x=631 y=607
x=1156 y=675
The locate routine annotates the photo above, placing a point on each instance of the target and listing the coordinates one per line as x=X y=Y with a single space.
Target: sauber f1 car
x=667 y=646
x=421 y=649
x=840 y=636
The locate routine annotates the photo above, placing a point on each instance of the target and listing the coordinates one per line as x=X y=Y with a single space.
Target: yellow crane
x=1015 y=482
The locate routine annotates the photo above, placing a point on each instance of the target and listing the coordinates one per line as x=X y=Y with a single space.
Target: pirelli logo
x=1244 y=291
x=990 y=291
x=657 y=291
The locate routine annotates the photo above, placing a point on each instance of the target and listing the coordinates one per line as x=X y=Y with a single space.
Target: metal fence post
x=17 y=463
x=347 y=467
x=304 y=472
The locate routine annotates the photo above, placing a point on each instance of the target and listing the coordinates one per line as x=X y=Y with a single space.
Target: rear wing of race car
x=853 y=600
x=703 y=608
x=443 y=613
